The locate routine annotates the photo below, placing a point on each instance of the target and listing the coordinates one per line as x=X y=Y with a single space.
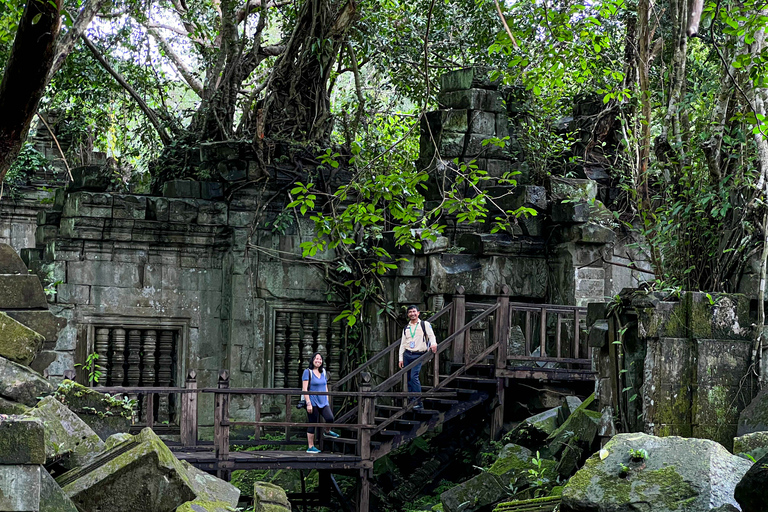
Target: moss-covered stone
x=116 y=439
x=105 y=414
x=52 y=498
x=754 y=417
x=205 y=506
x=22 y=440
x=20 y=384
x=581 y=425
x=11 y=407
x=18 y=343
x=754 y=444
x=678 y=474
x=67 y=438
x=139 y=475
x=269 y=498
x=750 y=491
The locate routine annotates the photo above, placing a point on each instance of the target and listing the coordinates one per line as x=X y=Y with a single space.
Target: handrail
x=433 y=392
x=384 y=352
x=443 y=345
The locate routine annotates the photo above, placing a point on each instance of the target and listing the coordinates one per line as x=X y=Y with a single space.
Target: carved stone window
x=297 y=334
x=138 y=353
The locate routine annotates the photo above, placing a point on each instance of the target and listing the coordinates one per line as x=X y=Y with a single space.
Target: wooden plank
x=576 y=336
x=543 y=333
x=569 y=360
x=548 y=374
x=459 y=319
x=150 y=412
x=528 y=340
x=288 y=411
x=558 y=334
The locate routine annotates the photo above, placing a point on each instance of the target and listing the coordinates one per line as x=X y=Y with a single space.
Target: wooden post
x=221 y=425
x=365 y=416
x=189 y=412
x=502 y=338
x=543 y=333
x=364 y=492
x=558 y=333
x=257 y=417
x=288 y=412
x=575 y=333
x=459 y=318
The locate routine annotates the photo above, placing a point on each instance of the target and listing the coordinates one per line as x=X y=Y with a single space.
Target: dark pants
x=414 y=384
x=314 y=417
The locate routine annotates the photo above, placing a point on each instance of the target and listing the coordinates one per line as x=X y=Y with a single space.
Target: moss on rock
x=18 y=342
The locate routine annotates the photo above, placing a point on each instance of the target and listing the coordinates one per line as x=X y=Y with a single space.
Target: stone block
x=20 y=384
x=68 y=439
x=503 y=126
x=21 y=291
x=598 y=334
x=82 y=204
x=103 y=273
x=526 y=276
x=591 y=233
x=30 y=257
x=83 y=228
x=158 y=209
x=51 y=217
x=754 y=417
x=409 y=290
x=468 y=78
x=139 y=475
x=18 y=343
x=754 y=444
x=232 y=170
x=472 y=99
x=43 y=361
x=531 y=196
x=485 y=243
x=212 y=213
x=501 y=168
x=211 y=190
x=182 y=210
x=90 y=177
x=412 y=266
x=52 y=498
x=569 y=188
x=20 y=488
x=104 y=414
x=270 y=498
x=10 y=407
x=474 y=146
x=22 y=441
x=10 y=261
x=73 y=294
x=482 y=123
x=129 y=207
x=570 y=212
x=45 y=234
x=440 y=121
x=181 y=188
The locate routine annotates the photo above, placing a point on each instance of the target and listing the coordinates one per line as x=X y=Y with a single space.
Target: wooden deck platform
x=272 y=459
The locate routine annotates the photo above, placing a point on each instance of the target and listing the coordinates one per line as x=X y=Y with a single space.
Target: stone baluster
x=118 y=358
x=280 y=326
x=133 y=373
x=308 y=338
x=335 y=349
x=148 y=361
x=295 y=364
x=322 y=341
x=166 y=347
x=102 y=348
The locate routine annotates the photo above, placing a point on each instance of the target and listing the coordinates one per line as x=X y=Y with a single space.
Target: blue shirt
x=316 y=384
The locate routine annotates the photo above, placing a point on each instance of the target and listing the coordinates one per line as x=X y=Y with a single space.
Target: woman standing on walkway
x=315 y=379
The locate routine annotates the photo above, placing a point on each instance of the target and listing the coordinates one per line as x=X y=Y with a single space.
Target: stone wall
x=213 y=269
x=686 y=362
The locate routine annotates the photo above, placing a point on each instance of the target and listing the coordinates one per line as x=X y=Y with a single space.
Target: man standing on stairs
x=418 y=337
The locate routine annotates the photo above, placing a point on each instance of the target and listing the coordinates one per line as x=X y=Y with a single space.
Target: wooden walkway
x=550 y=347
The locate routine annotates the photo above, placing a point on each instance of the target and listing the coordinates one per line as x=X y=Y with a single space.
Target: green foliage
x=92 y=368
x=639 y=454
x=28 y=161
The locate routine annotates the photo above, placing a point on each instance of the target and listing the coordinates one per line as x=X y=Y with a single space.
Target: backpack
x=423 y=331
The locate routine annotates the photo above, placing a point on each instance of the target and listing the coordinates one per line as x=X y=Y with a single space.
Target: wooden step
x=400 y=424
x=469 y=379
x=392 y=409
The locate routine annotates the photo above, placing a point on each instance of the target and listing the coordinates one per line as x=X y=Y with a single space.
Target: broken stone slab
x=469 y=78
x=181 y=188
x=69 y=440
x=105 y=414
x=21 y=291
x=754 y=417
x=22 y=440
x=598 y=334
x=21 y=384
x=116 y=439
x=567 y=407
x=10 y=407
x=269 y=497
x=677 y=474
x=138 y=475
x=569 y=188
x=18 y=343
x=754 y=444
x=43 y=322
x=472 y=99
x=52 y=498
x=94 y=178
x=205 y=506
x=750 y=491
x=20 y=488
x=510 y=470
x=581 y=425
x=209 y=488
x=10 y=261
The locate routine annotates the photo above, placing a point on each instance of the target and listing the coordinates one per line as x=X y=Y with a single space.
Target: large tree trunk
x=26 y=76
x=297 y=104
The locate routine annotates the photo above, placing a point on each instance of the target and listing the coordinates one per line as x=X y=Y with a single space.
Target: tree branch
x=67 y=41
x=184 y=71
x=26 y=75
x=142 y=104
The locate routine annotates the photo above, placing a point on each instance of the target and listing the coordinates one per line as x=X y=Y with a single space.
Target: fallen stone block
x=676 y=474
x=69 y=440
x=104 y=413
x=43 y=322
x=18 y=343
x=139 y=475
x=270 y=498
x=581 y=425
x=21 y=384
x=52 y=498
x=750 y=491
x=568 y=407
x=22 y=291
x=22 y=440
x=209 y=488
x=205 y=506
x=11 y=407
x=20 y=488
x=754 y=444
x=116 y=439
x=10 y=261
x=754 y=417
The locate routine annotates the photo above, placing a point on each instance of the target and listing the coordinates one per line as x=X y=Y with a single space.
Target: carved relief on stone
x=295 y=364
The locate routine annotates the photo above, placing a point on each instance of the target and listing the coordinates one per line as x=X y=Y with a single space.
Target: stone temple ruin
x=207 y=275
